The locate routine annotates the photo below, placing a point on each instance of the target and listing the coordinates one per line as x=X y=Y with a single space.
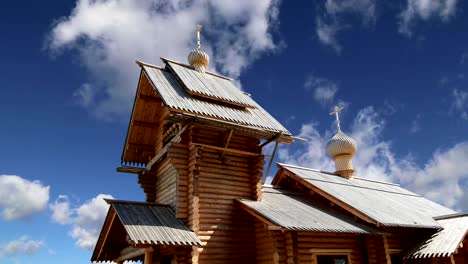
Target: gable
x=379 y=203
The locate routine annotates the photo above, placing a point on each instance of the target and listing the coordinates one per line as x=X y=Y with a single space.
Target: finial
x=197 y=58
x=199 y=27
x=336 y=111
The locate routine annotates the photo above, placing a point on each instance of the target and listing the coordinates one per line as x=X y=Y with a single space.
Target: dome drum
x=344 y=165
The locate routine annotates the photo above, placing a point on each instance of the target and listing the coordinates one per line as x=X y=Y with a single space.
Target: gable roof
x=445 y=242
x=140 y=224
x=175 y=96
x=381 y=203
x=294 y=212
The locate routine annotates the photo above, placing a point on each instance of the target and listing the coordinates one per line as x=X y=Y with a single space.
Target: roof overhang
x=140 y=225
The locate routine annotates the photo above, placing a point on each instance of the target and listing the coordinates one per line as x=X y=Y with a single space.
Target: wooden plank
x=128 y=169
x=163 y=151
x=145 y=124
x=235 y=151
x=127 y=254
x=107 y=231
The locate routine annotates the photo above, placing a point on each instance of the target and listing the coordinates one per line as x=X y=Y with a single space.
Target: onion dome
x=341 y=148
x=197 y=58
x=341 y=144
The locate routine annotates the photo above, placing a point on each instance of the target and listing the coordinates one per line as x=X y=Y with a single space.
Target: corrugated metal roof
x=148 y=224
x=445 y=242
x=209 y=85
x=388 y=204
x=293 y=212
x=176 y=98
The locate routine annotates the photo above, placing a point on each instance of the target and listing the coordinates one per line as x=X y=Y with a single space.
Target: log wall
x=310 y=243
x=266 y=252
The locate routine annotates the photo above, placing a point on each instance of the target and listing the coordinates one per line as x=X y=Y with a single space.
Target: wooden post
x=148 y=255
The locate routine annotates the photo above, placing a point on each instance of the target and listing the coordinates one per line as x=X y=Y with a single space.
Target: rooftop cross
x=336 y=111
x=199 y=27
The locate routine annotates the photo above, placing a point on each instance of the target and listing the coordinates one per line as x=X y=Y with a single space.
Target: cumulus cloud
x=460 y=103
x=442 y=178
x=21 y=198
x=21 y=246
x=110 y=34
x=424 y=10
x=61 y=211
x=330 y=18
x=85 y=220
x=324 y=89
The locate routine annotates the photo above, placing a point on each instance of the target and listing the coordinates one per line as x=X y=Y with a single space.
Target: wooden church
x=196 y=143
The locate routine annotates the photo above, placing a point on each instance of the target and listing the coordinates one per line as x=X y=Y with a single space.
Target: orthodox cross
x=199 y=27
x=335 y=112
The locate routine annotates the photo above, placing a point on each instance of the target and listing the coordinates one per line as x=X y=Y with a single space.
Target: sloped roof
x=140 y=224
x=445 y=242
x=294 y=212
x=175 y=96
x=384 y=203
x=209 y=85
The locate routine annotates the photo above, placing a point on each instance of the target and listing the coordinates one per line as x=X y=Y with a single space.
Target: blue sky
x=68 y=79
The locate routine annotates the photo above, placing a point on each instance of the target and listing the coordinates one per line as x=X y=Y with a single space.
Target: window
x=396 y=259
x=166 y=260
x=332 y=259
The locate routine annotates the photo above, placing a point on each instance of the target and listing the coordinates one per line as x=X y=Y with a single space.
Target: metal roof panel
x=445 y=242
x=176 y=98
x=294 y=212
x=209 y=85
x=153 y=225
x=387 y=204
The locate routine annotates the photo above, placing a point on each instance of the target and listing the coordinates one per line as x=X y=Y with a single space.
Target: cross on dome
x=336 y=111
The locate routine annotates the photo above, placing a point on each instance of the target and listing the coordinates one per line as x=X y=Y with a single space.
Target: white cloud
x=86 y=95
x=324 y=89
x=330 y=21
x=110 y=35
x=460 y=103
x=441 y=178
x=21 y=198
x=415 y=124
x=86 y=220
x=326 y=33
x=21 y=246
x=425 y=10
x=61 y=211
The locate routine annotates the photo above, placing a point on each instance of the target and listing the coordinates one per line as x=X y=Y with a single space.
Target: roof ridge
x=448 y=216
x=305 y=168
x=376 y=181
x=112 y=201
x=333 y=174
x=165 y=60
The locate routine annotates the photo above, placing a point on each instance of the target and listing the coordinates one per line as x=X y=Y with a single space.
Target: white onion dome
x=341 y=144
x=198 y=59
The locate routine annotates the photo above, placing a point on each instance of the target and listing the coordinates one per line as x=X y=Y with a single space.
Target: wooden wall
x=203 y=182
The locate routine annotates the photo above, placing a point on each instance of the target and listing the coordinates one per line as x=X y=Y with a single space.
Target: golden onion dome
x=341 y=144
x=197 y=58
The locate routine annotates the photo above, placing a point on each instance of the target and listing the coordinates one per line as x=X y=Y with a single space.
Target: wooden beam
x=163 y=151
x=235 y=151
x=107 y=231
x=145 y=124
x=273 y=138
x=128 y=169
x=150 y=98
x=148 y=255
x=227 y=143
x=270 y=162
x=130 y=253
